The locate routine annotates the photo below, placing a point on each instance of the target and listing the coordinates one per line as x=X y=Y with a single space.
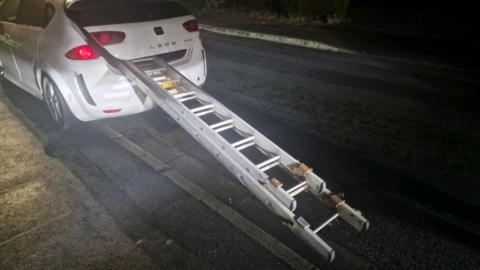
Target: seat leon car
x=44 y=51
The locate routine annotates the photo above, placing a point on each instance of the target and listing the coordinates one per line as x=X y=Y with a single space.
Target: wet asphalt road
x=408 y=231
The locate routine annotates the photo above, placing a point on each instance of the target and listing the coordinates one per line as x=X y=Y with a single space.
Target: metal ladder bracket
x=353 y=217
x=276 y=183
x=315 y=184
x=281 y=194
x=301 y=169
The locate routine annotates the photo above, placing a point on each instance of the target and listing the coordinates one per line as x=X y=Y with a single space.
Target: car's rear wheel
x=58 y=108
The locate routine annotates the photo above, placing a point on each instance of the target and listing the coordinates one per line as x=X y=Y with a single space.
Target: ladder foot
x=353 y=217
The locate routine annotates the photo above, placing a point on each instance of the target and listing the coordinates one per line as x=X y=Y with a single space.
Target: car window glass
x=32 y=12
x=94 y=12
x=8 y=10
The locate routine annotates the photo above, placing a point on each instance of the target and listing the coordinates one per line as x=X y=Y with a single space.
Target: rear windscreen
x=103 y=12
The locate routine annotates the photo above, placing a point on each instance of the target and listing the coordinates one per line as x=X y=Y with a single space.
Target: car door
x=8 y=15
x=30 y=22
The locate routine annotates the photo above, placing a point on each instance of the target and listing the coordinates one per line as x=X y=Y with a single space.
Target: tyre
x=58 y=108
x=2 y=78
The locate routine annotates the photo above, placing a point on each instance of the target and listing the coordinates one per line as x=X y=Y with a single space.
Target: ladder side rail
x=244 y=176
x=250 y=182
x=316 y=184
x=219 y=147
x=194 y=125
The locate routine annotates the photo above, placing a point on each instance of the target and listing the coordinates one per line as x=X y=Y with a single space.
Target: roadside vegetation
x=327 y=11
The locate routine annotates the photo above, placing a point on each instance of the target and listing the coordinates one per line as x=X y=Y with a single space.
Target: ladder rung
x=204 y=112
x=185 y=94
x=140 y=63
x=266 y=168
x=154 y=70
x=319 y=228
x=267 y=164
x=187 y=98
x=243 y=142
x=159 y=78
x=294 y=191
x=244 y=146
x=202 y=108
x=220 y=129
x=221 y=124
x=146 y=67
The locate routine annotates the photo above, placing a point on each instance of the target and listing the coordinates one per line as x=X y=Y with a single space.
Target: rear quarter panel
x=58 y=38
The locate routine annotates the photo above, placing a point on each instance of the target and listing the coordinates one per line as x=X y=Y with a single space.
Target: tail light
x=191 y=26
x=109 y=37
x=83 y=52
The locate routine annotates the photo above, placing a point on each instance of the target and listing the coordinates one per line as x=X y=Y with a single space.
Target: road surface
x=376 y=129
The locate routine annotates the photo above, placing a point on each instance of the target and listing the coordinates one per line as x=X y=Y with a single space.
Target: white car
x=43 y=51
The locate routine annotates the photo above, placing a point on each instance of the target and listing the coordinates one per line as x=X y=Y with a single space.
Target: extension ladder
x=209 y=122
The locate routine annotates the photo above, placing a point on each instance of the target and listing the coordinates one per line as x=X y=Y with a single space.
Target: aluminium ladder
x=171 y=92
